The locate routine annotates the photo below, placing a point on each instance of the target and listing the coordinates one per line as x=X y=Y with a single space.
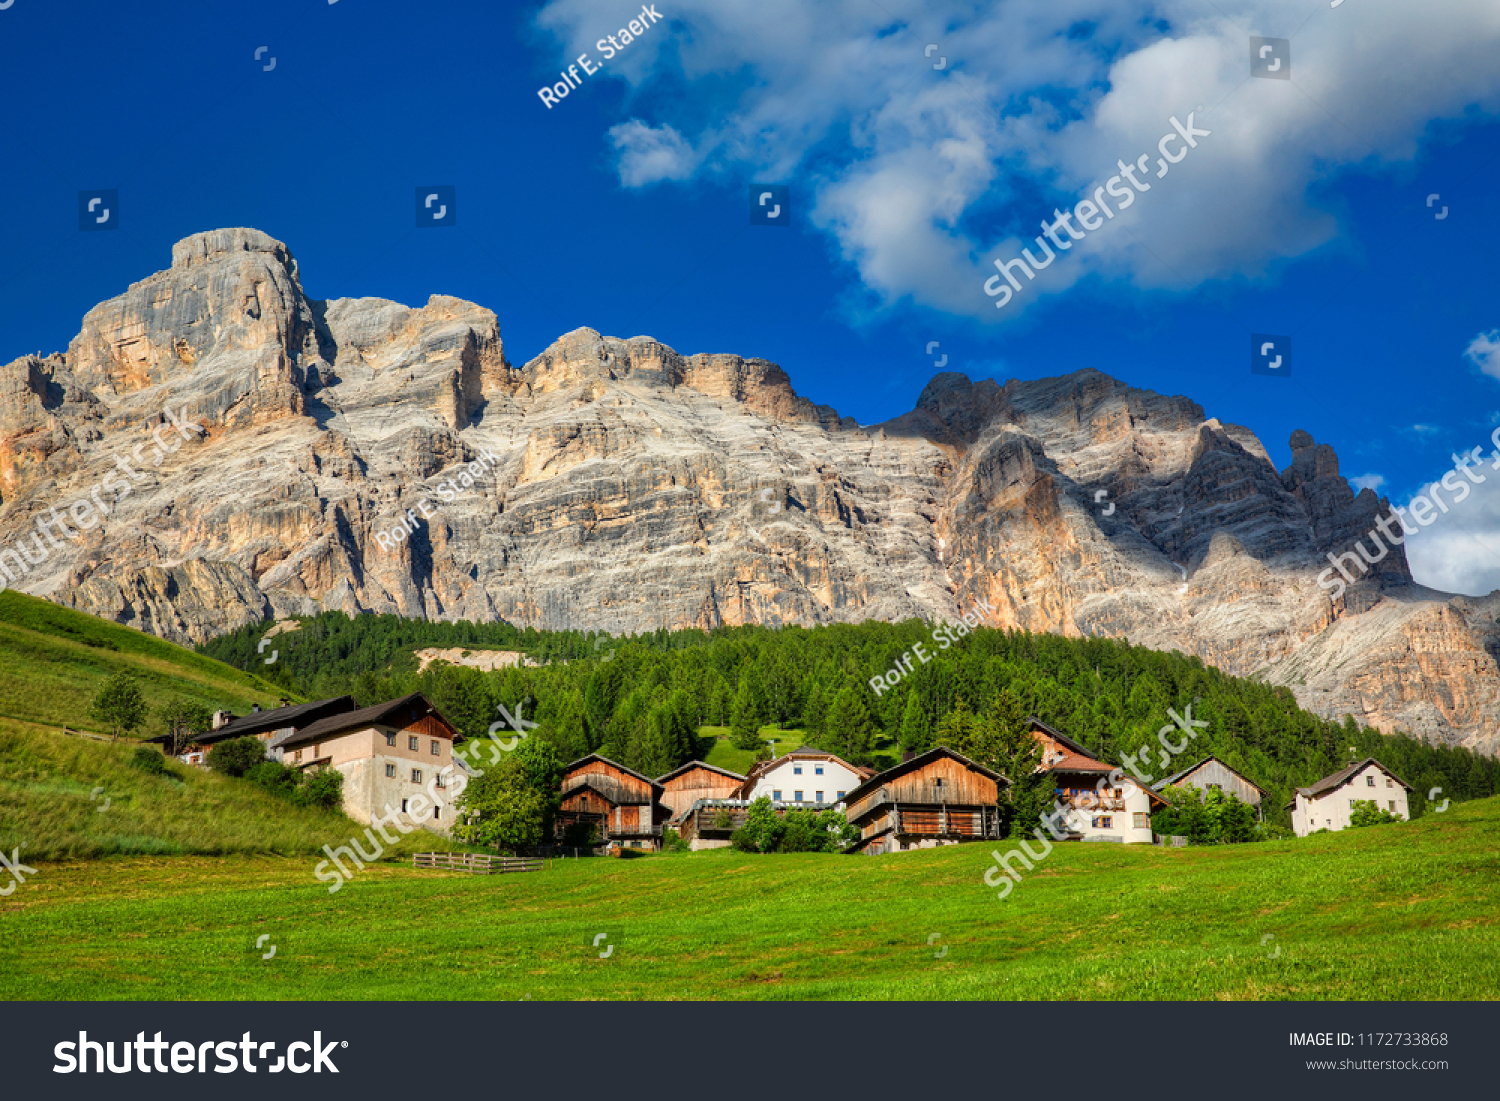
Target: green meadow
x=53 y=661
x=1408 y=911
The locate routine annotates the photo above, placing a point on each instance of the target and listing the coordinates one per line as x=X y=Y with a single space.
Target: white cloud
x=1372 y=482
x=1484 y=352
x=1425 y=429
x=651 y=154
x=924 y=177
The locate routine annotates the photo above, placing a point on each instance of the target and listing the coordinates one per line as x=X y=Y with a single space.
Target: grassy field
x=723 y=753
x=47 y=780
x=53 y=660
x=1407 y=911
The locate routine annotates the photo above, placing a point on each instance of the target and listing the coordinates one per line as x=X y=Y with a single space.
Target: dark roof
x=1172 y=779
x=402 y=712
x=921 y=760
x=613 y=764
x=698 y=764
x=298 y=715
x=1341 y=777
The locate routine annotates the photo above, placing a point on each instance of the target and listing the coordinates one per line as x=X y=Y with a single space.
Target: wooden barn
x=936 y=798
x=685 y=785
x=621 y=803
x=1214 y=773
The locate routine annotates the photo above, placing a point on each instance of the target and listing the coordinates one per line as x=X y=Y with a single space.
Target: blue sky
x=624 y=207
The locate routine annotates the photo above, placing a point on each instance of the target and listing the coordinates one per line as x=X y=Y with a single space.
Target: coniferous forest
x=642 y=700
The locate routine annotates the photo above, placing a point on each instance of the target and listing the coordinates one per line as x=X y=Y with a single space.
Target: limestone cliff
x=635 y=488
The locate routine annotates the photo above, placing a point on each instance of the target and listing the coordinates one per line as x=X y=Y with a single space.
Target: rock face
x=215 y=448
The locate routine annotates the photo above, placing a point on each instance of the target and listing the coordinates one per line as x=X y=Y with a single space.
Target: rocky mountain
x=215 y=448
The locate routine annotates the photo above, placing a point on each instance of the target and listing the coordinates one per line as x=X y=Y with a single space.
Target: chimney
x=907 y=754
x=255 y=709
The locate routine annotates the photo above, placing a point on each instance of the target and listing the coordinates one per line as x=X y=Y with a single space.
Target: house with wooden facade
x=687 y=784
x=1212 y=774
x=1118 y=812
x=620 y=803
x=934 y=798
x=1328 y=804
x=804 y=776
x=394 y=758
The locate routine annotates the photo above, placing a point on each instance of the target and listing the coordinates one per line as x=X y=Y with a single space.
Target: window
x=440 y=782
x=437 y=812
x=1103 y=822
x=416 y=775
x=297 y=756
x=776 y=796
x=1369 y=781
x=390 y=739
x=411 y=743
x=818 y=797
x=315 y=752
x=1215 y=787
x=841 y=796
x=938 y=782
x=390 y=770
x=796 y=797
x=434 y=747
x=796 y=770
x=1140 y=821
x=817 y=770
x=1389 y=782
x=403 y=806
x=1393 y=805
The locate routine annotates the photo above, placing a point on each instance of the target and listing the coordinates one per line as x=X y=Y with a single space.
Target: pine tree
x=851 y=729
x=914 y=736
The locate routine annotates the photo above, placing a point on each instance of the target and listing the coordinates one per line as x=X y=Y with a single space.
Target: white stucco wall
x=782 y=777
x=1122 y=826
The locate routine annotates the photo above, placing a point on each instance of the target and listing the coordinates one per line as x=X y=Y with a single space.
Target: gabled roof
x=1344 y=775
x=1081 y=750
x=1080 y=758
x=389 y=713
x=1176 y=776
x=921 y=760
x=613 y=764
x=680 y=769
x=801 y=753
x=297 y=715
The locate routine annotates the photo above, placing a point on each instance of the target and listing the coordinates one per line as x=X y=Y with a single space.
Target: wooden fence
x=477 y=863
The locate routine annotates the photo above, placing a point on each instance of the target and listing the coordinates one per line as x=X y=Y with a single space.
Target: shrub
x=275 y=776
x=149 y=760
x=323 y=787
x=1367 y=812
x=723 y=819
x=236 y=756
x=672 y=842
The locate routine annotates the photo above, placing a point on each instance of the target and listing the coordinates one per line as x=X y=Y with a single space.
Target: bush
x=236 y=756
x=1367 y=812
x=672 y=842
x=149 y=760
x=275 y=776
x=323 y=787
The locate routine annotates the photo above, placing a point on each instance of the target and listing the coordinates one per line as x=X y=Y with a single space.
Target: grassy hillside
x=1408 y=911
x=53 y=660
x=47 y=778
x=723 y=753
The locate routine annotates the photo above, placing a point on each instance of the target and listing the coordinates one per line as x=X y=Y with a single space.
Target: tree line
x=642 y=700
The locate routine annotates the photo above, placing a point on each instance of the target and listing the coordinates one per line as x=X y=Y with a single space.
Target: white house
x=1105 y=804
x=1327 y=804
x=804 y=775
